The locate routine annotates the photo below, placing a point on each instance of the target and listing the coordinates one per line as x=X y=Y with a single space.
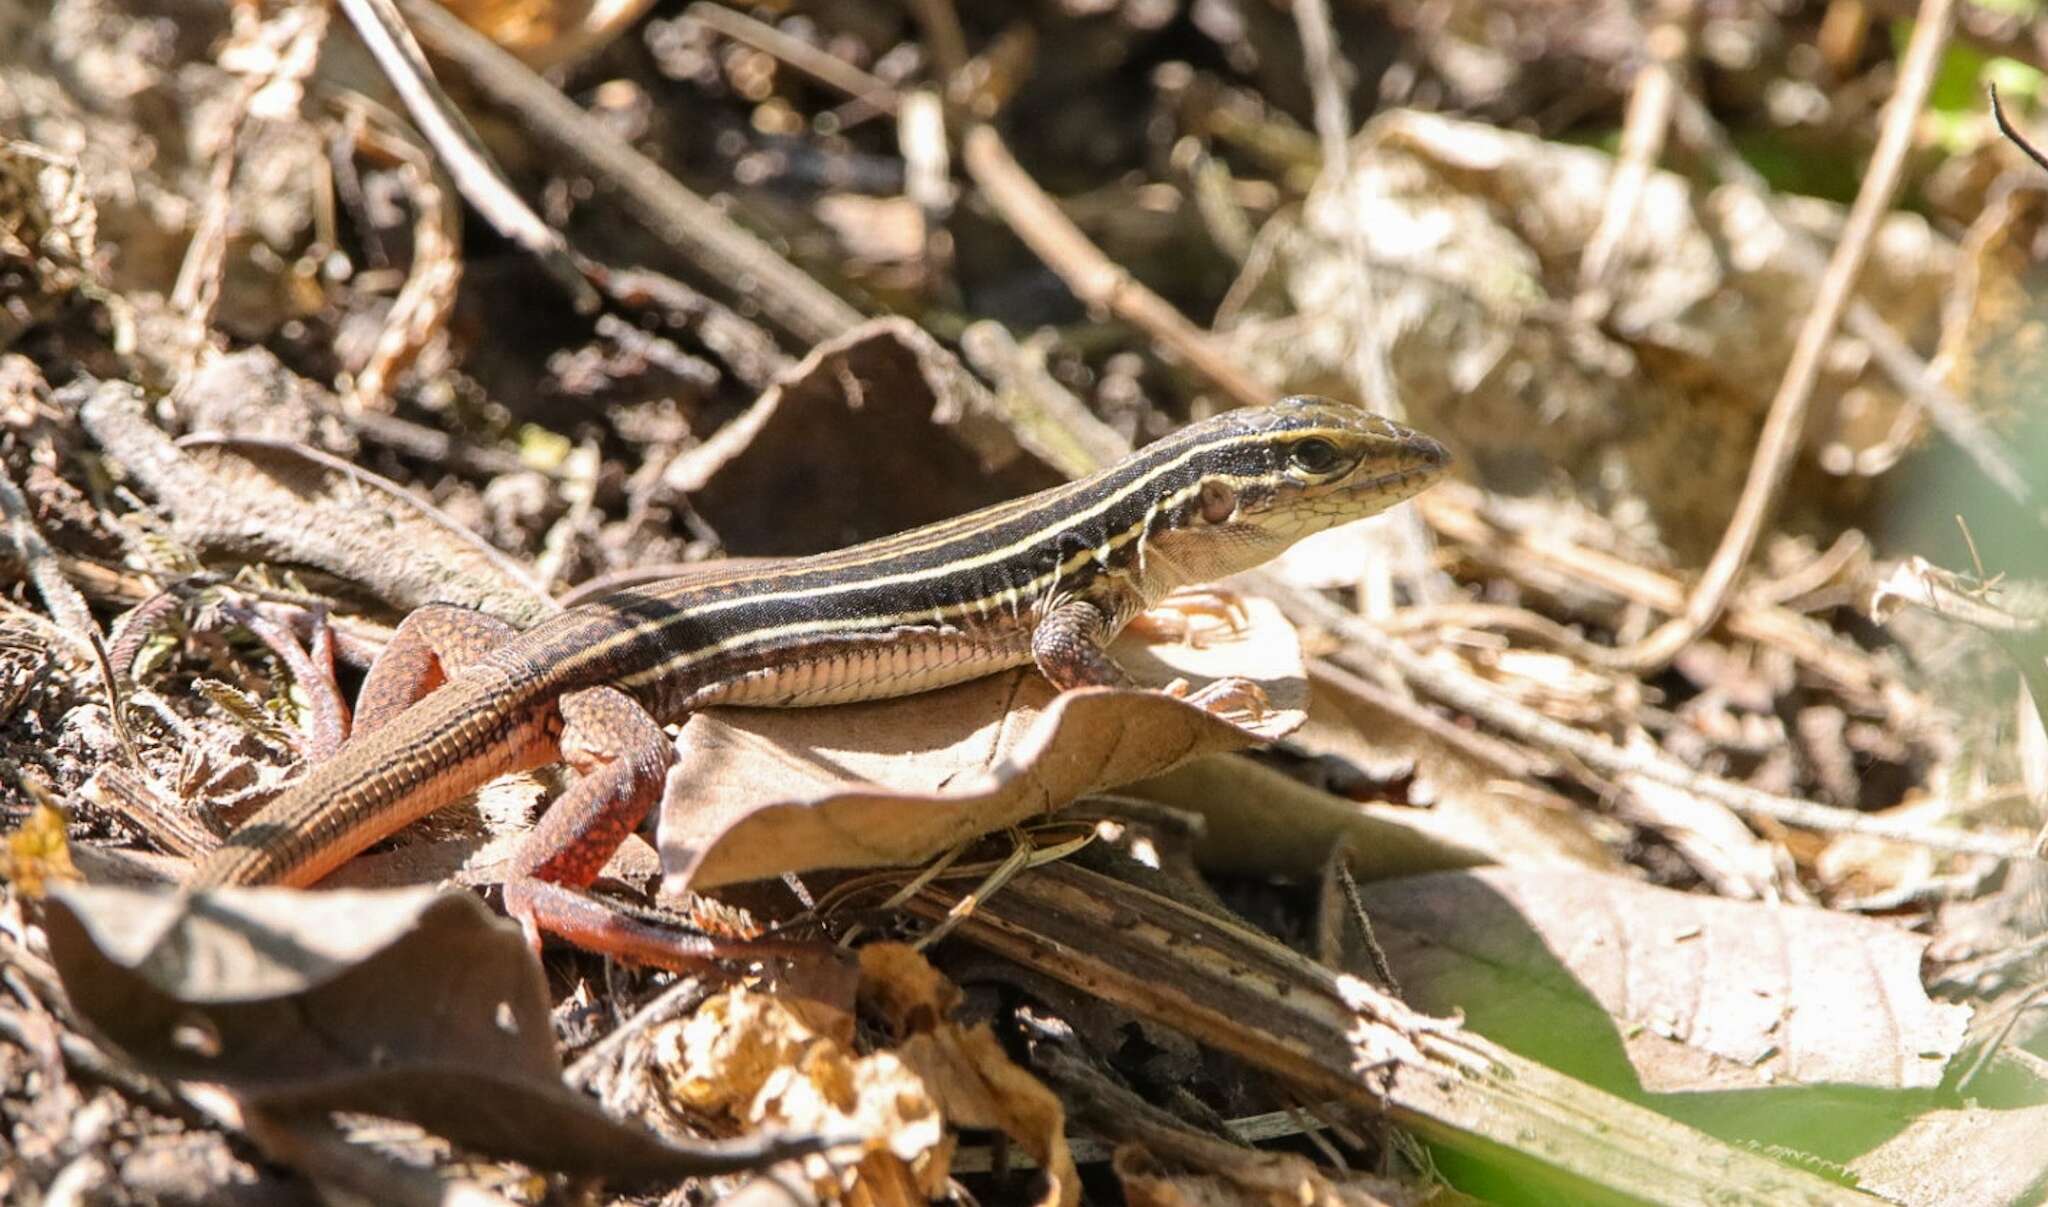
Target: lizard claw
x=1194 y=618
x=521 y=906
x=1230 y=698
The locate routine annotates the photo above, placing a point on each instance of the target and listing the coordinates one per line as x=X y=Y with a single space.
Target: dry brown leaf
x=747 y=1057
x=1260 y=822
x=1620 y=982
x=759 y=792
x=1961 y=1158
x=836 y=441
x=414 y=1003
x=965 y=1068
x=903 y=987
x=977 y=1085
x=1464 y=801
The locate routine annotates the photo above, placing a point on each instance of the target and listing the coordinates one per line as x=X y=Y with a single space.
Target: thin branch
x=460 y=150
x=1049 y=419
x=2012 y=134
x=674 y=1002
x=827 y=69
x=1650 y=105
x=1457 y=513
x=1473 y=696
x=719 y=247
x=1325 y=71
x=1092 y=276
x=1904 y=367
x=1779 y=443
x=944 y=36
x=67 y=607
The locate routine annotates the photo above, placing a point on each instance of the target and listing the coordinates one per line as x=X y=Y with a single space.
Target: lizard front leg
x=1070 y=647
x=1193 y=617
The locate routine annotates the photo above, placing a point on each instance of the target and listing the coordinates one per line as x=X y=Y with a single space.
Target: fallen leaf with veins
x=414 y=1004
x=759 y=792
x=1628 y=985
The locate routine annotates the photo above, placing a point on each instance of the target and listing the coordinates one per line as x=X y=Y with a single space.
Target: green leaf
x=1956 y=104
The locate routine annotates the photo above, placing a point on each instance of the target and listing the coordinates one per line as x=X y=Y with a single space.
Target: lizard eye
x=1314 y=456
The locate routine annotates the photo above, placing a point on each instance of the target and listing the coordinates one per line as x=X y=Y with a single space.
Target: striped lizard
x=458 y=697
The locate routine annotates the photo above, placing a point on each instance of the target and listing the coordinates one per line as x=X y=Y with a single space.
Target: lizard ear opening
x=1218 y=501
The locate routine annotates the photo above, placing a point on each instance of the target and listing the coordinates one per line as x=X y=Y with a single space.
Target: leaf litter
x=1762 y=979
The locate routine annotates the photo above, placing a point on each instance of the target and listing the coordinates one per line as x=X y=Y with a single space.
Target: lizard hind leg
x=431 y=646
x=621 y=757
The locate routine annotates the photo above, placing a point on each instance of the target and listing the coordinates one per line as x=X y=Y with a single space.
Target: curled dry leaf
x=759 y=792
x=977 y=1085
x=749 y=1058
x=416 y=1004
x=1626 y=984
x=965 y=1068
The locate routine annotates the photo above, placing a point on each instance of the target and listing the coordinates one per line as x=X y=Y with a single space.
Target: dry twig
x=1474 y=697
x=1324 y=68
x=1904 y=367
x=825 y=68
x=1097 y=281
x=1786 y=423
x=461 y=152
x=1658 y=81
x=723 y=251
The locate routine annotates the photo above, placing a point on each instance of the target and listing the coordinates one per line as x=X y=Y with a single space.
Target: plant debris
x=1652 y=811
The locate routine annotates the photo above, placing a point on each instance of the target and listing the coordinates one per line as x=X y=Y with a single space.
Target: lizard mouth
x=1431 y=461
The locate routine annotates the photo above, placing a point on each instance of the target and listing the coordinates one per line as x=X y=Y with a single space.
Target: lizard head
x=1257 y=480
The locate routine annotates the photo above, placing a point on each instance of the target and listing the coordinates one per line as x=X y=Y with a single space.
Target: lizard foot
x=1231 y=698
x=1193 y=618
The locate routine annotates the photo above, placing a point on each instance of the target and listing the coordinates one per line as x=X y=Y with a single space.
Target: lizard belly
x=875 y=666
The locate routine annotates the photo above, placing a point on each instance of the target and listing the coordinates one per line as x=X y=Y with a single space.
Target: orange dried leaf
x=36 y=852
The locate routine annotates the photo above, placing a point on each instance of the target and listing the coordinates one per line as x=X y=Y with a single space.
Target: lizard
x=459 y=697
